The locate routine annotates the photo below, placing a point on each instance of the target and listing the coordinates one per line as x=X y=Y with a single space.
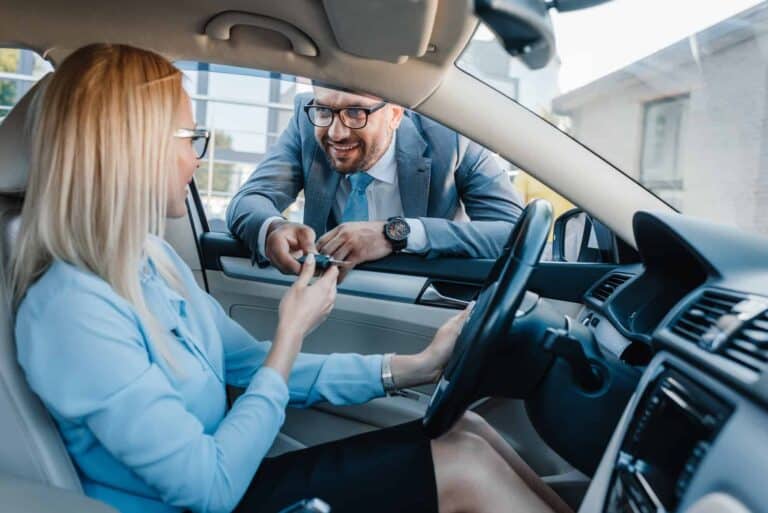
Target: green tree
x=9 y=62
x=223 y=175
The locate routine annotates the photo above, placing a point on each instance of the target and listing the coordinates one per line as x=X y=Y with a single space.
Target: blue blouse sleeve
x=337 y=378
x=104 y=379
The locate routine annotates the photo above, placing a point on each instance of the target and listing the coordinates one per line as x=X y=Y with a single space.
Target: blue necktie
x=356 y=208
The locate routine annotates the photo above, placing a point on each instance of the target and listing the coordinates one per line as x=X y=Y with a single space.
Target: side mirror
x=580 y=238
x=524 y=26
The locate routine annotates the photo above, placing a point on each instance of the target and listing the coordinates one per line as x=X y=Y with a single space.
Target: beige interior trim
x=176 y=29
x=365 y=28
x=432 y=83
x=717 y=503
x=220 y=27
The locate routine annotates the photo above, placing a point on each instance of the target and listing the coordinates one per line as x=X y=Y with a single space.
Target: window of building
x=662 y=127
x=246 y=110
x=19 y=70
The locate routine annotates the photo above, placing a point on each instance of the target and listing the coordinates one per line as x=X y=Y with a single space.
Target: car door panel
x=567 y=281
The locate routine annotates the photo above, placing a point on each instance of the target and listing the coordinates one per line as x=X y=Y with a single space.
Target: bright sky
x=596 y=41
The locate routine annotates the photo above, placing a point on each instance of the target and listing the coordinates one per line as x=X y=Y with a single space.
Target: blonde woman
x=131 y=357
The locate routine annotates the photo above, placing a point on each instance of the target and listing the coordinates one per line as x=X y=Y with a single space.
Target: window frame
x=673 y=184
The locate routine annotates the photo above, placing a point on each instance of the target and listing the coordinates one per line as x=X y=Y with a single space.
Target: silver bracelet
x=386 y=374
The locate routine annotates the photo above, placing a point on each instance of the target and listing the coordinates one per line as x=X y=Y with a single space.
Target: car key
x=322 y=262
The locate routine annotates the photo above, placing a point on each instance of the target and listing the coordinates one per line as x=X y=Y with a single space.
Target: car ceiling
x=427 y=80
x=176 y=29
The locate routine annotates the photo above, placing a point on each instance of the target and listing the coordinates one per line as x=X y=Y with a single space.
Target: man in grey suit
x=376 y=180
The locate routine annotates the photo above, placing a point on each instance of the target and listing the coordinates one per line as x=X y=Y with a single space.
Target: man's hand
x=356 y=242
x=285 y=242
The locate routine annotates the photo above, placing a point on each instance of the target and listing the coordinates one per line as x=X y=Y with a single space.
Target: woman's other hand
x=440 y=349
x=427 y=366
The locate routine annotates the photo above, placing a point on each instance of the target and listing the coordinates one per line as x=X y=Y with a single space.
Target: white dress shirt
x=384 y=201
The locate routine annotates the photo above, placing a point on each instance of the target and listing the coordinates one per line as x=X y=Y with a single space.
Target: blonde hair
x=101 y=154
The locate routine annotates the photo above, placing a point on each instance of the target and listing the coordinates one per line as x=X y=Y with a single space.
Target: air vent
x=749 y=345
x=702 y=317
x=604 y=290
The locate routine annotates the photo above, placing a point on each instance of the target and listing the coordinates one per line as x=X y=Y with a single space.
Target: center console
x=671 y=431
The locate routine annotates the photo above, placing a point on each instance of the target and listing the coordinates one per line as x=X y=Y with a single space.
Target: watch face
x=398 y=230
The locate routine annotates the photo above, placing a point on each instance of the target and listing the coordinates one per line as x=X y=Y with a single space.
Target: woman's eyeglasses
x=352 y=117
x=199 y=137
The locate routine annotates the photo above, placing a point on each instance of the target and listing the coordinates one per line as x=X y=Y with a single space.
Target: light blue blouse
x=146 y=437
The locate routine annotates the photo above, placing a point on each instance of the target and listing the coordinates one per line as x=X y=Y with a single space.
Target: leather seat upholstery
x=30 y=445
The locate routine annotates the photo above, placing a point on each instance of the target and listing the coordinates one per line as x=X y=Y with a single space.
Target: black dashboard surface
x=687 y=262
x=699 y=301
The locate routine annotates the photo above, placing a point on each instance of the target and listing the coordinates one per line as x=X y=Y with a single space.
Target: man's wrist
x=267 y=227
x=418 y=242
x=275 y=224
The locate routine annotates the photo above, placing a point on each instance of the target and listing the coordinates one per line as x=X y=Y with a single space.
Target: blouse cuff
x=267 y=381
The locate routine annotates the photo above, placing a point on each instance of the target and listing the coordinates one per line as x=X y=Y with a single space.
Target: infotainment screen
x=669 y=435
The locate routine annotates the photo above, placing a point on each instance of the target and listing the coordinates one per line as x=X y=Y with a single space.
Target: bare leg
x=474 y=423
x=473 y=478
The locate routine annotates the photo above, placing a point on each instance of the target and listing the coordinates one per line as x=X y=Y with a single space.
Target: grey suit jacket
x=439 y=172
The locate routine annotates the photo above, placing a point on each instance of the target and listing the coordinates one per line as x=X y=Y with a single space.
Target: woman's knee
x=471 y=422
x=466 y=463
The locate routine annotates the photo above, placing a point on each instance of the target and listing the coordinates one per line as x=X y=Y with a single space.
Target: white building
x=689 y=121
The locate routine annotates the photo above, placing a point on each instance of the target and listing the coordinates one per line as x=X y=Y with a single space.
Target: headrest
x=14 y=140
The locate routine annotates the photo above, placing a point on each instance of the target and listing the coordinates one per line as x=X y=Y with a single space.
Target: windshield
x=671 y=93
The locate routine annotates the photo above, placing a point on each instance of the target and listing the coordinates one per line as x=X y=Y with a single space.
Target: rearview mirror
x=524 y=26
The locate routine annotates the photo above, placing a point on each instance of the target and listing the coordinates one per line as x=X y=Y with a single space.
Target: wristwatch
x=396 y=231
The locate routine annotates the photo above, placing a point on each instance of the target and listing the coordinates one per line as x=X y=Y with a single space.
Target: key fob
x=322 y=262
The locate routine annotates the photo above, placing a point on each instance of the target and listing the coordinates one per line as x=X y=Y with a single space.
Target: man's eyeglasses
x=199 y=137
x=351 y=117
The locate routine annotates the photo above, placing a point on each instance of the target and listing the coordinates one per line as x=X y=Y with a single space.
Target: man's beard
x=368 y=156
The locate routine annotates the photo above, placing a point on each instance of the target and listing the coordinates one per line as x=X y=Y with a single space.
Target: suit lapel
x=413 y=169
x=319 y=192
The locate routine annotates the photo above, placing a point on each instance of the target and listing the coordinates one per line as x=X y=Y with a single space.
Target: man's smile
x=340 y=150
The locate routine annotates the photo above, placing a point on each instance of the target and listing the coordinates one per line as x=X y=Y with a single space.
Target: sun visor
x=387 y=30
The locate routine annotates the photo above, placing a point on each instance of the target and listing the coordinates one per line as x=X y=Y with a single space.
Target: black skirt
x=388 y=471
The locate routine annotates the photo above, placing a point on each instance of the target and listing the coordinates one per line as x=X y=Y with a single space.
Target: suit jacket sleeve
x=491 y=202
x=271 y=188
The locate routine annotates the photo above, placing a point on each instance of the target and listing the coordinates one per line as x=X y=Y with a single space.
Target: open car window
x=673 y=94
x=246 y=111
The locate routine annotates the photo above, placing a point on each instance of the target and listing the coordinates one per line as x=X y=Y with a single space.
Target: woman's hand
x=440 y=349
x=427 y=366
x=303 y=308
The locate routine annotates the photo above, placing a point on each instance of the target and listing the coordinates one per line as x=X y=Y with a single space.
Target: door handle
x=431 y=296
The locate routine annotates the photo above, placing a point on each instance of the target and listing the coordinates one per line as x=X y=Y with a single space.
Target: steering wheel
x=490 y=319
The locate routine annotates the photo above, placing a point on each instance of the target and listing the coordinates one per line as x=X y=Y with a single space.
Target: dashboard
x=693 y=317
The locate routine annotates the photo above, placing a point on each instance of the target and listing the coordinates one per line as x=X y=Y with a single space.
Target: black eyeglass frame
x=337 y=112
x=195 y=134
